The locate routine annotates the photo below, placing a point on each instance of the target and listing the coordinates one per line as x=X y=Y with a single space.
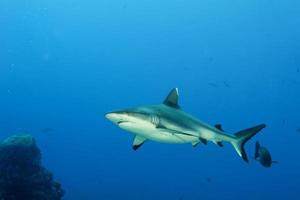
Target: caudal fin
x=242 y=137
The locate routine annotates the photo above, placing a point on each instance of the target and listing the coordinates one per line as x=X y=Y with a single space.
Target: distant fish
x=208 y=179
x=227 y=84
x=263 y=155
x=211 y=59
x=47 y=130
x=213 y=84
x=298 y=130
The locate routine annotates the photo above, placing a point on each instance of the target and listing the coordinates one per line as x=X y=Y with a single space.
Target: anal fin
x=138 y=142
x=220 y=144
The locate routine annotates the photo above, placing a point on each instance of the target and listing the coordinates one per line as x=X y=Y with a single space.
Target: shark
x=168 y=123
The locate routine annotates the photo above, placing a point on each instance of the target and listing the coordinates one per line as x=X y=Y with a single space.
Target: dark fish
x=213 y=84
x=211 y=59
x=47 y=130
x=298 y=130
x=263 y=155
x=227 y=84
x=208 y=179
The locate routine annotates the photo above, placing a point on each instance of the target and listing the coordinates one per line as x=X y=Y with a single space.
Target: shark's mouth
x=120 y=122
x=123 y=124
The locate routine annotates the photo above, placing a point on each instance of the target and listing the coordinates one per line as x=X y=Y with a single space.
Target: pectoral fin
x=137 y=142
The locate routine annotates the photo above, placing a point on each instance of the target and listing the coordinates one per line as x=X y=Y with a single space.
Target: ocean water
x=64 y=64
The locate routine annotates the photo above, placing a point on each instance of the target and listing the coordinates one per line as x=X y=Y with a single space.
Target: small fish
x=208 y=179
x=47 y=130
x=213 y=84
x=227 y=84
x=263 y=155
x=211 y=59
x=298 y=130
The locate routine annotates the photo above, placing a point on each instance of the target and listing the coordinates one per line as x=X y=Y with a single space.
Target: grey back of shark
x=263 y=155
x=168 y=123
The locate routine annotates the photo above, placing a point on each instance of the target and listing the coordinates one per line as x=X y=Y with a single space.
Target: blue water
x=64 y=64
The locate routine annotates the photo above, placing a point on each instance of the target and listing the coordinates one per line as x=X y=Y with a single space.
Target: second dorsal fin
x=172 y=99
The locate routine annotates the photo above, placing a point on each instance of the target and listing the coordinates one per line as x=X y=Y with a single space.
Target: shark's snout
x=116 y=117
x=111 y=116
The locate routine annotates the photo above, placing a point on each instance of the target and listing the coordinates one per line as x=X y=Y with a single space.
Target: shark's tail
x=242 y=137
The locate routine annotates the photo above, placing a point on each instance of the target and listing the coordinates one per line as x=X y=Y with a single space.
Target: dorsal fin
x=219 y=127
x=172 y=99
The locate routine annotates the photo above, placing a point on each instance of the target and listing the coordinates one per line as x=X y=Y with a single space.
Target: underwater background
x=64 y=64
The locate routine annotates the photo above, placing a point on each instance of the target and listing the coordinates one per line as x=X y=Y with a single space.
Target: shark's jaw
x=120 y=117
x=129 y=121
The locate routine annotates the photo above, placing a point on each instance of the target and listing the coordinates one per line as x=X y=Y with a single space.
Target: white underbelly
x=159 y=135
x=166 y=137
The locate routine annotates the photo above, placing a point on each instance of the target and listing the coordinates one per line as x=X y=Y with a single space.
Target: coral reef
x=22 y=177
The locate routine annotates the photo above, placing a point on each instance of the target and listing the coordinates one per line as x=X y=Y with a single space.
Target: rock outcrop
x=22 y=177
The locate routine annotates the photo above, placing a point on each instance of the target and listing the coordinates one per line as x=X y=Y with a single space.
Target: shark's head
x=141 y=114
x=135 y=120
x=130 y=115
x=139 y=119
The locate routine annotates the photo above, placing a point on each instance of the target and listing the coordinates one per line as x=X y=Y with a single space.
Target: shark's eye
x=154 y=119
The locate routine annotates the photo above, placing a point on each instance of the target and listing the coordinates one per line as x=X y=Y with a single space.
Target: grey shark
x=168 y=123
